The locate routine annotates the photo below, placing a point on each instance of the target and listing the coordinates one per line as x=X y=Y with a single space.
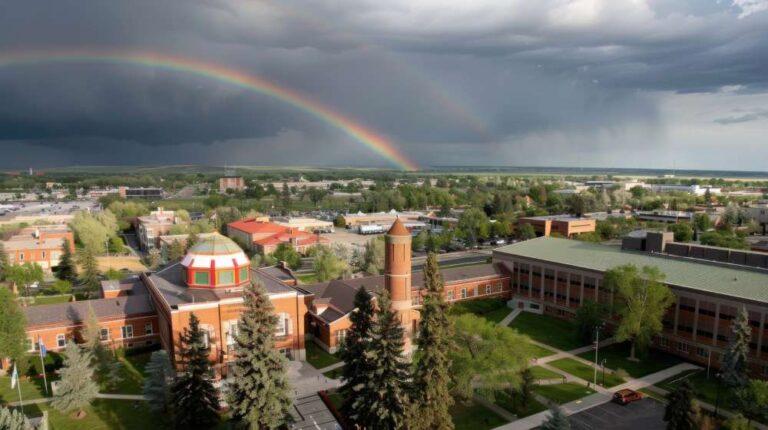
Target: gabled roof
x=251 y=226
x=75 y=313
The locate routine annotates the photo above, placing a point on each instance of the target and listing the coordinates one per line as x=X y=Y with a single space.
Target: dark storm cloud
x=476 y=75
x=743 y=117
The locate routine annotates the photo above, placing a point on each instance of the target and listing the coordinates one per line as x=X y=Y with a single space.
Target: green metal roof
x=215 y=245
x=703 y=276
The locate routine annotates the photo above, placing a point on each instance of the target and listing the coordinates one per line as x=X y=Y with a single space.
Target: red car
x=626 y=396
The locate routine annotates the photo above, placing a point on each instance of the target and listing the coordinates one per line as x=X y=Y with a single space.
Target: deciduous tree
x=12 y=327
x=643 y=300
x=259 y=394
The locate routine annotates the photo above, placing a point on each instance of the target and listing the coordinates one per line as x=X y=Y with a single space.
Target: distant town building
x=565 y=225
x=39 y=244
x=140 y=193
x=150 y=227
x=664 y=216
x=264 y=237
x=385 y=219
x=234 y=183
x=311 y=225
x=696 y=190
x=759 y=213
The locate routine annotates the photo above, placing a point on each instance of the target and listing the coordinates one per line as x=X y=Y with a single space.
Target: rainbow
x=362 y=134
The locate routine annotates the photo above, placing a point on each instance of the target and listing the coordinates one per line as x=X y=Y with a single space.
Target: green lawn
x=581 y=370
x=508 y=402
x=474 y=416
x=540 y=351
x=539 y=372
x=318 y=357
x=563 y=393
x=616 y=358
x=549 y=330
x=133 y=374
x=493 y=310
x=335 y=399
x=49 y=300
x=307 y=278
x=334 y=374
x=704 y=389
x=31 y=388
x=103 y=415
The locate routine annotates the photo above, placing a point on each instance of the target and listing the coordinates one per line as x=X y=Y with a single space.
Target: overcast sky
x=621 y=83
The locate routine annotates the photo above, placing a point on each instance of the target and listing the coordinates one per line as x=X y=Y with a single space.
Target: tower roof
x=215 y=245
x=398 y=229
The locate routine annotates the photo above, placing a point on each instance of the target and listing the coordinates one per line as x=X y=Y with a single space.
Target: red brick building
x=40 y=244
x=264 y=237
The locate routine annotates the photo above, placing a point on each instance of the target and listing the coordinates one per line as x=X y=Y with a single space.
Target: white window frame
x=61 y=340
x=488 y=289
x=463 y=293
x=683 y=347
x=231 y=333
x=127 y=331
x=21 y=256
x=149 y=329
x=449 y=295
x=284 y=323
x=340 y=336
x=102 y=331
x=32 y=344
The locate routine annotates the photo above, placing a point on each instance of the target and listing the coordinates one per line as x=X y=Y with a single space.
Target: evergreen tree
x=76 y=388
x=176 y=251
x=90 y=275
x=431 y=400
x=680 y=413
x=12 y=327
x=357 y=366
x=259 y=394
x=383 y=398
x=4 y=263
x=194 y=398
x=11 y=419
x=556 y=421
x=157 y=385
x=153 y=258
x=733 y=370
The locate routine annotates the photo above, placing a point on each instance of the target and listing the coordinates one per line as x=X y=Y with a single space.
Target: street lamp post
x=717 y=393
x=597 y=347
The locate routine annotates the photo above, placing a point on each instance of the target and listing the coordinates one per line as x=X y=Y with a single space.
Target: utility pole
x=597 y=346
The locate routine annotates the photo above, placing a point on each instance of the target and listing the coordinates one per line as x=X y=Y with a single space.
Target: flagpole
x=40 y=346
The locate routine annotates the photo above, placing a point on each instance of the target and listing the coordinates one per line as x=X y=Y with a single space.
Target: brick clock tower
x=397 y=277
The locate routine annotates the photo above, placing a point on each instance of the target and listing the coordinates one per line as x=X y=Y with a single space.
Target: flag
x=43 y=351
x=14 y=377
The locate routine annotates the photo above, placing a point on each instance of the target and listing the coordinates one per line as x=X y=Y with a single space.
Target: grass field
x=334 y=374
x=307 y=278
x=563 y=393
x=508 y=402
x=539 y=372
x=581 y=370
x=493 y=310
x=318 y=357
x=49 y=300
x=31 y=388
x=132 y=373
x=616 y=358
x=704 y=388
x=540 y=351
x=555 y=332
x=104 y=415
x=474 y=416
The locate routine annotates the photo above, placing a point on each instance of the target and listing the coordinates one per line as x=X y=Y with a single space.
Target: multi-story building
x=235 y=183
x=264 y=237
x=759 y=213
x=311 y=225
x=564 y=225
x=42 y=245
x=150 y=193
x=557 y=276
x=150 y=228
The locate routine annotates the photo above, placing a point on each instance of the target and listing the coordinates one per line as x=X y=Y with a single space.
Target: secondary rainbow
x=251 y=82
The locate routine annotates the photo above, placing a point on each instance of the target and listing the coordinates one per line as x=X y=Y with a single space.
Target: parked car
x=626 y=396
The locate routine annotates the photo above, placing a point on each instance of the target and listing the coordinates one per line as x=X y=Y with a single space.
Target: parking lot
x=646 y=414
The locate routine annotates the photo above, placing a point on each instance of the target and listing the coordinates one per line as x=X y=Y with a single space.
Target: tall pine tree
x=431 y=400
x=66 y=270
x=680 y=413
x=384 y=395
x=733 y=370
x=11 y=419
x=194 y=398
x=259 y=394
x=353 y=353
x=77 y=387
x=157 y=383
x=90 y=275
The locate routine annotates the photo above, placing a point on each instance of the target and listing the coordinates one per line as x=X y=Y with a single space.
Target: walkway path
x=495 y=408
x=98 y=396
x=331 y=367
x=508 y=319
